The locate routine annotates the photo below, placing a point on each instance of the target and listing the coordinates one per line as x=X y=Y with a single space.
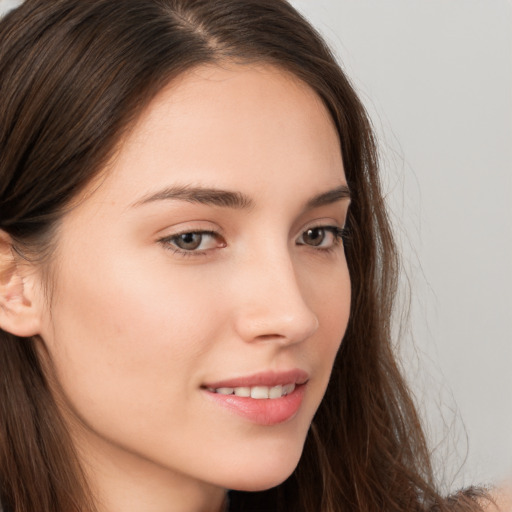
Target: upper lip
x=267 y=378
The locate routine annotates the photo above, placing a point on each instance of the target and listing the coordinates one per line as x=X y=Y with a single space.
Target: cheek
x=330 y=298
x=129 y=336
x=337 y=308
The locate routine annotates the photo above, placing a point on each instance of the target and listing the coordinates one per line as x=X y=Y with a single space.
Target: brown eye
x=193 y=242
x=314 y=236
x=322 y=237
x=188 y=241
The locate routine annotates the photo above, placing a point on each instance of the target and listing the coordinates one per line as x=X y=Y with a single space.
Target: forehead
x=236 y=126
x=233 y=93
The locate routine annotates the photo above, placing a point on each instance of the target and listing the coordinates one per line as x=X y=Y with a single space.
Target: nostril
x=270 y=336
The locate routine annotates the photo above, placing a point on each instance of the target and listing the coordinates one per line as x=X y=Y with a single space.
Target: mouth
x=256 y=392
x=266 y=398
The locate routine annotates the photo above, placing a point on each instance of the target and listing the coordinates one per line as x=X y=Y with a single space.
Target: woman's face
x=204 y=267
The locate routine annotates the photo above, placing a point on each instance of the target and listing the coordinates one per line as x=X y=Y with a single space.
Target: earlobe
x=19 y=314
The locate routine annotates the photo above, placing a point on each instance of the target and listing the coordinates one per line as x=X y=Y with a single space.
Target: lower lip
x=265 y=411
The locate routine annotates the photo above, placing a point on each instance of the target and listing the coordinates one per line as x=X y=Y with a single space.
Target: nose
x=270 y=303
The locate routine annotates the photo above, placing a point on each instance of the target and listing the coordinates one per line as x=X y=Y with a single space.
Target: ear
x=19 y=281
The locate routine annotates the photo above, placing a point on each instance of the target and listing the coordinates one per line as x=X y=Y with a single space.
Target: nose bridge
x=272 y=304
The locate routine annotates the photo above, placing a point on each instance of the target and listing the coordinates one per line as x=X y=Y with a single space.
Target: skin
x=136 y=328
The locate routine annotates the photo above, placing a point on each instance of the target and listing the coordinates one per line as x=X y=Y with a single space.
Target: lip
x=267 y=411
x=269 y=378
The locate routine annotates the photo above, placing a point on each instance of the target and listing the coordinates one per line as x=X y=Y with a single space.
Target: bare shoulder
x=502 y=497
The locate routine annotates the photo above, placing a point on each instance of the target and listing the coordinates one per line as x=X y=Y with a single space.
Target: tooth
x=275 y=392
x=259 y=392
x=224 y=391
x=243 y=391
x=288 y=389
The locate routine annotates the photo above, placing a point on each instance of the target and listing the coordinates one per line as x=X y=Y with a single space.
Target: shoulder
x=502 y=499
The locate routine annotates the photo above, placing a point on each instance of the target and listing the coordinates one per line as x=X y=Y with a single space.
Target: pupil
x=314 y=236
x=189 y=240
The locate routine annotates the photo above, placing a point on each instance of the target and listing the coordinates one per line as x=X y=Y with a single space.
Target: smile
x=267 y=398
x=257 y=392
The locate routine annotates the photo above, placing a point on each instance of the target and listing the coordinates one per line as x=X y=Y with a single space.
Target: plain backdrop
x=436 y=78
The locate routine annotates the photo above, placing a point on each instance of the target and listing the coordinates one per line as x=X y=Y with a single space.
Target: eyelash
x=339 y=234
x=167 y=242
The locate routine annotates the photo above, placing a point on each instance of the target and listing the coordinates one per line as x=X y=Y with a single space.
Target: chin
x=259 y=484
x=263 y=475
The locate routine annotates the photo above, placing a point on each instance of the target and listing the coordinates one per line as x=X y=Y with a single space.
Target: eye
x=193 y=242
x=321 y=237
x=189 y=241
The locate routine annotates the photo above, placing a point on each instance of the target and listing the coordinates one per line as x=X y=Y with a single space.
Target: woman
x=189 y=305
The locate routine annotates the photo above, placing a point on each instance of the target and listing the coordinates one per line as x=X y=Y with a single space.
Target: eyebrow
x=329 y=197
x=201 y=195
x=230 y=199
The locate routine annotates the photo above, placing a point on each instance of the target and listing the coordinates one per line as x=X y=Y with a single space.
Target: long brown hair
x=74 y=76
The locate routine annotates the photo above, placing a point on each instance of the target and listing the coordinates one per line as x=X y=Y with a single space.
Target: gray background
x=436 y=77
